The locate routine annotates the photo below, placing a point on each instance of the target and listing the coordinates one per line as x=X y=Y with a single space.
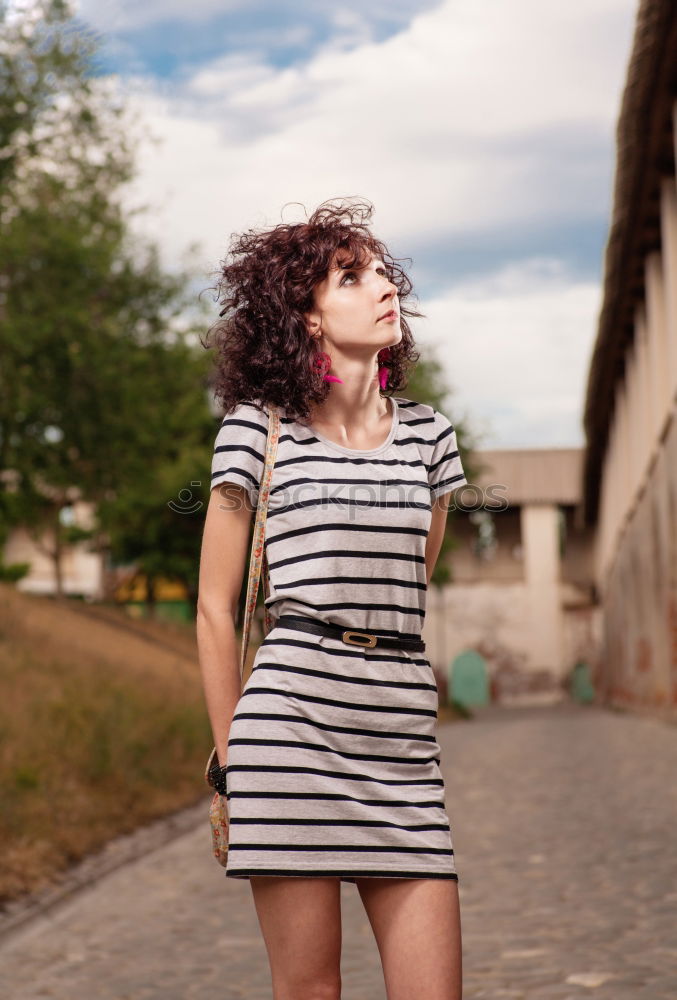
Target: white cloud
x=350 y=17
x=515 y=347
x=227 y=79
x=476 y=116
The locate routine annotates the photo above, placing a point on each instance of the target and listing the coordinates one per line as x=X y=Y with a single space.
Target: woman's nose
x=389 y=290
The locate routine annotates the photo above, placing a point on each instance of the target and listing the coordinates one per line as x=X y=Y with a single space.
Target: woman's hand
x=217 y=777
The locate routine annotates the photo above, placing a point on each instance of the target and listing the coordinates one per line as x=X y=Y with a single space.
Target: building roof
x=532 y=475
x=644 y=154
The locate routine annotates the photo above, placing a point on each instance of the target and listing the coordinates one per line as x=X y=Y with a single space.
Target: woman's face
x=356 y=308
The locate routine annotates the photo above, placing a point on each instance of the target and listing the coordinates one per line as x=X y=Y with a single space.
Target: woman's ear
x=313 y=323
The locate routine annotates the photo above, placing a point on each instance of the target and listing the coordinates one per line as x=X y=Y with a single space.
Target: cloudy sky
x=481 y=130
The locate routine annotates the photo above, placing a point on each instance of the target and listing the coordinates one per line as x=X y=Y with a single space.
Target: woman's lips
x=389 y=317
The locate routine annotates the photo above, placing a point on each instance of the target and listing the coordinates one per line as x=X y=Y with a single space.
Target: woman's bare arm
x=222 y=563
x=440 y=510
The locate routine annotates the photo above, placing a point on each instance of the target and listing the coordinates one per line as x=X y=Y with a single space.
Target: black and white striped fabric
x=333 y=764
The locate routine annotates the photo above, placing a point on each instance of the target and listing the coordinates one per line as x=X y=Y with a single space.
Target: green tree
x=427 y=384
x=100 y=384
x=155 y=523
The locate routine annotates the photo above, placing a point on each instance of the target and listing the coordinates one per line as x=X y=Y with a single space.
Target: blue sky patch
x=280 y=35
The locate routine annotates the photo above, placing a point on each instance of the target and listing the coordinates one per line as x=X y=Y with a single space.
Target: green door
x=469 y=679
x=581 y=686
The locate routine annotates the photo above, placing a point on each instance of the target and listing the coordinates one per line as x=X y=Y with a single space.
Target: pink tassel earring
x=383 y=371
x=323 y=363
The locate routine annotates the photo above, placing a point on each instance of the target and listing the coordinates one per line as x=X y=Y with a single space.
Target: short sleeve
x=445 y=471
x=240 y=449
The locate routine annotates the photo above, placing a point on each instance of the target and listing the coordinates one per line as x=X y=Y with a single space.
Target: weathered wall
x=638 y=662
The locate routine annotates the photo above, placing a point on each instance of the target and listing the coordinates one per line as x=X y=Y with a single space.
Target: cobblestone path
x=563 y=821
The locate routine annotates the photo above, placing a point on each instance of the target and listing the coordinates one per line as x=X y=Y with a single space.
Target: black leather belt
x=354 y=637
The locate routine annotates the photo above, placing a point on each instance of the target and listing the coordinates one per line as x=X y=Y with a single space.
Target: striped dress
x=333 y=767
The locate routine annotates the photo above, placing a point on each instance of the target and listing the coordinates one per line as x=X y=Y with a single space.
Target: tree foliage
x=102 y=382
x=103 y=387
x=427 y=384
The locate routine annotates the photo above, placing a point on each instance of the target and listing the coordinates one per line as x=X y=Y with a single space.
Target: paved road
x=563 y=821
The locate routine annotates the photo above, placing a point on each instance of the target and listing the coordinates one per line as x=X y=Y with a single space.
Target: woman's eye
x=350 y=274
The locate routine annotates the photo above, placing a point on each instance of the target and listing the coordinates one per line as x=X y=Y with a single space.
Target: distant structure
x=522 y=605
x=82 y=570
x=630 y=464
x=87 y=575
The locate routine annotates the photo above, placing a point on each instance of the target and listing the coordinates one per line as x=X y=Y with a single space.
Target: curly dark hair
x=264 y=353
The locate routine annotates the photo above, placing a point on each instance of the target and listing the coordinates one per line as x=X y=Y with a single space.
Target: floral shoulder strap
x=257 y=557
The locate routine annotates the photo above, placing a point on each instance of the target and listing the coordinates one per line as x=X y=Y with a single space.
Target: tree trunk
x=57 y=554
x=151 y=603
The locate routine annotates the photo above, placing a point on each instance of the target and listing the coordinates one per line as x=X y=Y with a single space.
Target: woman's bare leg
x=417 y=925
x=300 y=920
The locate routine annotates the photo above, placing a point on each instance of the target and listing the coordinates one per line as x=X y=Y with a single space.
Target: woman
x=329 y=753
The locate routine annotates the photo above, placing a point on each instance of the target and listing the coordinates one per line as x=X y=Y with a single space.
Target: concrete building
x=522 y=603
x=580 y=563
x=82 y=569
x=630 y=463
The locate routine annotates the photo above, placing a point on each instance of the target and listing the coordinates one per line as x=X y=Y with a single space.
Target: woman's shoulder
x=415 y=413
x=425 y=421
x=239 y=447
x=243 y=425
x=249 y=412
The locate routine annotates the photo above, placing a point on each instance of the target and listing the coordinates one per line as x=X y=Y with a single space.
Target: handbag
x=218 y=809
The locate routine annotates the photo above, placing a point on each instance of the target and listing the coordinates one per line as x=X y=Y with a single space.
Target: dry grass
x=102 y=729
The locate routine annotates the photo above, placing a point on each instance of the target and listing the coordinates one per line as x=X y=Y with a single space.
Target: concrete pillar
x=607 y=499
x=604 y=498
x=611 y=489
x=613 y=486
x=669 y=269
x=625 y=447
x=633 y=423
x=645 y=406
x=540 y=543
x=658 y=338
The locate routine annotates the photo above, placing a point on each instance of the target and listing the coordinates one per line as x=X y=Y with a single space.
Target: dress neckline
x=362 y=451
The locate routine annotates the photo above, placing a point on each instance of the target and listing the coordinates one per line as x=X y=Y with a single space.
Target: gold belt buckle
x=371 y=639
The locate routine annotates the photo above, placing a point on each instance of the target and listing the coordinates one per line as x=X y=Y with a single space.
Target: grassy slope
x=103 y=727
